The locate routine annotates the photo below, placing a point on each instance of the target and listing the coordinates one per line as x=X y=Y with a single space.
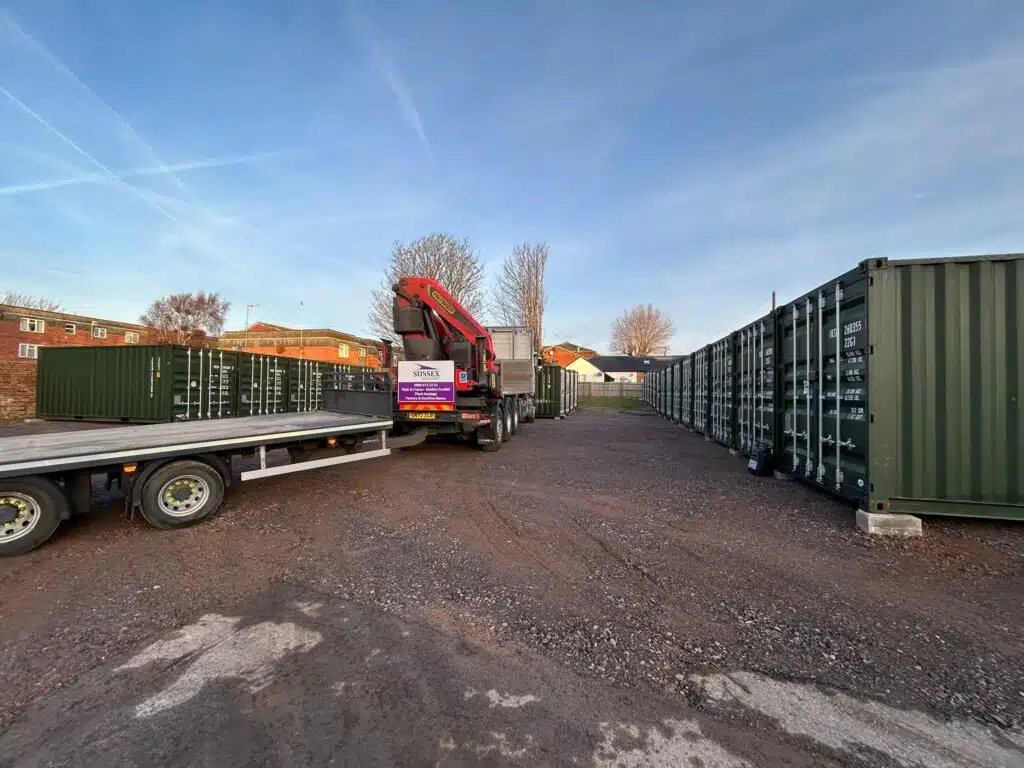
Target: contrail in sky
x=160 y=170
x=107 y=171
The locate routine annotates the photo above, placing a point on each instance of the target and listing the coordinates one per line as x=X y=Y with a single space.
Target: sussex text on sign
x=431 y=381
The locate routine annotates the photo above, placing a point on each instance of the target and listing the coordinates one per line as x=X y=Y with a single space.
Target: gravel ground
x=617 y=545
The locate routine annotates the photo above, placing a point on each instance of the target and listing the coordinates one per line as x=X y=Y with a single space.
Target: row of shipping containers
x=898 y=386
x=166 y=383
x=557 y=391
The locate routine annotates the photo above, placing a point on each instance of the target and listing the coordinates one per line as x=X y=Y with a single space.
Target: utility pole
x=245 y=339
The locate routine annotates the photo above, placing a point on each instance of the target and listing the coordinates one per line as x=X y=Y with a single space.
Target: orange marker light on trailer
x=129 y=468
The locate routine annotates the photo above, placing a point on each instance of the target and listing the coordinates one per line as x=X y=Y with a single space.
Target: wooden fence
x=610 y=389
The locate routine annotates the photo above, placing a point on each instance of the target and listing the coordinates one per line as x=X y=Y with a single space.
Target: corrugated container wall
x=946 y=385
x=140 y=384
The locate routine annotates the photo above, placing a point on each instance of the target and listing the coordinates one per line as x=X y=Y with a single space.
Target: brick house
x=323 y=344
x=565 y=353
x=23 y=331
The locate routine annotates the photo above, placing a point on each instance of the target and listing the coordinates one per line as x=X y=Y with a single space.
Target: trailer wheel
x=493 y=434
x=31 y=509
x=181 y=494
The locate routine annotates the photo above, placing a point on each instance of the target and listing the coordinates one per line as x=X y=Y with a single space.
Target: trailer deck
x=79 y=449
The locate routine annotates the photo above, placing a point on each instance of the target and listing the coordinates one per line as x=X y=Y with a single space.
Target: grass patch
x=617 y=403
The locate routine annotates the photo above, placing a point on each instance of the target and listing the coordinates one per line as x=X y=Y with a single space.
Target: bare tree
x=640 y=330
x=30 y=302
x=453 y=263
x=519 y=295
x=186 y=318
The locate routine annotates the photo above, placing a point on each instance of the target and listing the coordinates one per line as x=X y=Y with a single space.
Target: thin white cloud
x=47 y=55
x=162 y=170
x=108 y=173
x=390 y=73
x=928 y=164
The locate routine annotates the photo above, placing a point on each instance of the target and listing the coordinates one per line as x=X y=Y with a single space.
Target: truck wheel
x=495 y=433
x=31 y=509
x=515 y=416
x=181 y=493
x=509 y=407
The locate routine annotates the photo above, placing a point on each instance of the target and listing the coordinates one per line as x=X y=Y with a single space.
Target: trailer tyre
x=31 y=509
x=181 y=494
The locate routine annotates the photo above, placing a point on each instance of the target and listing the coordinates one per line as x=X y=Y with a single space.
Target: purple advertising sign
x=427 y=382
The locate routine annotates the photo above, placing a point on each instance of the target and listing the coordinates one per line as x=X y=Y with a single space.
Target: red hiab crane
x=455 y=379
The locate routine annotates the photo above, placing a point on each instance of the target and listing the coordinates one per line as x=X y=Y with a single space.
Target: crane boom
x=451 y=381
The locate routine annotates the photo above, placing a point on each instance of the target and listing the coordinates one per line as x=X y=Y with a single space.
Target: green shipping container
x=551 y=388
x=136 y=384
x=902 y=384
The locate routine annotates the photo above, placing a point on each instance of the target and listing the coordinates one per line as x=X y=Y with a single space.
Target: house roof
x=14 y=311
x=568 y=346
x=623 y=363
x=269 y=331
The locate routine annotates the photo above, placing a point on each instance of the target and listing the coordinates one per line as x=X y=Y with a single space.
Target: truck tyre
x=31 y=509
x=181 y=494
x=530 y=412
x=516 y=405
x=509 y=407
x=495 y=433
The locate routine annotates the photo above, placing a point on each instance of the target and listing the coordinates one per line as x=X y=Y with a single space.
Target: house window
x=343 y=351
x=362 y=353
x=28 y=351
x=99 y=333
x=33 y=325
x=131 y=337
x=70 y=328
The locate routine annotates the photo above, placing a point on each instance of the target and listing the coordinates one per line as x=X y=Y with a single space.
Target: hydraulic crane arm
x=428 y=317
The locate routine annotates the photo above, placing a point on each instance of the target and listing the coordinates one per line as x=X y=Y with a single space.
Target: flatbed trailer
x=176 y=474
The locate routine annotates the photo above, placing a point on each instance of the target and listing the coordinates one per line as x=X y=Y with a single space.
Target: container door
x=303 y=382
x=701 y=399
x=186 y=393
x=203 y=383
x=221 y=384
x=721 y=385
x=823 y=375
x=755 y=386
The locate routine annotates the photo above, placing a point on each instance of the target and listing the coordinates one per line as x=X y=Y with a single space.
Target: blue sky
x=695 y=155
